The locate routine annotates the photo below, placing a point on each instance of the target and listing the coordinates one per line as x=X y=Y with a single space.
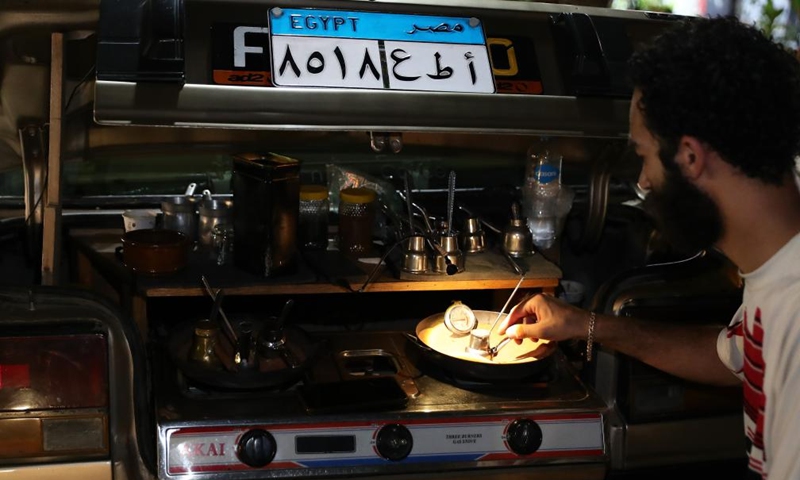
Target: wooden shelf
x=318 y=273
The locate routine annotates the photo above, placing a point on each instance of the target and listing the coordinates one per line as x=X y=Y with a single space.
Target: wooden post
x=139 y=313
x=51 y=235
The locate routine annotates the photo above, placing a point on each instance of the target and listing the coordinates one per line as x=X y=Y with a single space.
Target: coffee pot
x=517 y=238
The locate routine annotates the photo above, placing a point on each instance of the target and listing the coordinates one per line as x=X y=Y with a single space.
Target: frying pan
x=448 y=351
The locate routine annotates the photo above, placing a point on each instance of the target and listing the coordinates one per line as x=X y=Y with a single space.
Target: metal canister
x=266 y=192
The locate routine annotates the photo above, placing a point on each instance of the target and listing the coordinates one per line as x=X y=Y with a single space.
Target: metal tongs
x=492 y=351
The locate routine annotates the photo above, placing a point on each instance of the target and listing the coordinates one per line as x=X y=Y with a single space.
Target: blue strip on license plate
x=379 y=51
x=375 y=26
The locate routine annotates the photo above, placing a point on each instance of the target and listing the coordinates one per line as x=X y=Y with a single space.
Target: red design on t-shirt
x=754 y=399
x=736 y=330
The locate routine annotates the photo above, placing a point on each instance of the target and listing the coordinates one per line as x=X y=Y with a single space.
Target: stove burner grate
x=197 y=390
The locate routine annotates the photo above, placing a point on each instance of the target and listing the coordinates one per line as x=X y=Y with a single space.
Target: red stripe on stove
x=592 y=452
x=224 y=468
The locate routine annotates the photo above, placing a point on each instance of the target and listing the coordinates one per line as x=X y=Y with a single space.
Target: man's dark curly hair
x=729 y=86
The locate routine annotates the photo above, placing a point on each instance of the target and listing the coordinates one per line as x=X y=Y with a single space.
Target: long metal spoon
x=225 y=322
x=451 y=194
x=407 y=182
x=493 y=350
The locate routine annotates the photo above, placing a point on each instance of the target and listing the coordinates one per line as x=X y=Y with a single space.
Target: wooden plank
x=383 y=286
x=51 y=234
x=487 y=271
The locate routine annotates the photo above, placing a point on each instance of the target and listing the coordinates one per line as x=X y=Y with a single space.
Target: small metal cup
x=449 y=244
x=473 y=239
x=415 y=258
x=472 y=225
x=180 y=213
x=478 y=342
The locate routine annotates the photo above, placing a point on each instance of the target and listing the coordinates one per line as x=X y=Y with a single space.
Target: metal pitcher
x=449 y=258
x=213 y=212
x=415 y=258
x=180 y=213
x=517 y=239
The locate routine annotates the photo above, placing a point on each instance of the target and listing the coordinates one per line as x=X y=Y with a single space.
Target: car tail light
x=53 y=396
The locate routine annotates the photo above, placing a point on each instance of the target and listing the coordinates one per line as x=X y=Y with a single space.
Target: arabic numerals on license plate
x=316 y=61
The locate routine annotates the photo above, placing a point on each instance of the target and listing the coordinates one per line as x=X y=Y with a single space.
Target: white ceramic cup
x=139 y=219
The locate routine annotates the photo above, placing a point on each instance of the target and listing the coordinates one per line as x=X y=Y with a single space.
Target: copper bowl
x=154 y=252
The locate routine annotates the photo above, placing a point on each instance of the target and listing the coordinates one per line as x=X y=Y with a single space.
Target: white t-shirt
x=762 y=346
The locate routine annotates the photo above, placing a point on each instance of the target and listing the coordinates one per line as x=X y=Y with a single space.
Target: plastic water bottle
x=541 y=193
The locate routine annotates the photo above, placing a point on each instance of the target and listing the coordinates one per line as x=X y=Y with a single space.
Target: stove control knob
x=524 y=436
x=256 y=448
x=394 y=442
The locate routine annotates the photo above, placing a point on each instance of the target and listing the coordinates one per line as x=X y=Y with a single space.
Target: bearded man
x=715 y=118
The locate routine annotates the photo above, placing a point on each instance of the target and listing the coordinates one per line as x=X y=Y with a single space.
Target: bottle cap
x=357 y=195
x=313 y=192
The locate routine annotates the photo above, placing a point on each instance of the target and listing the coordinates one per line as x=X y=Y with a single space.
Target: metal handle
x=225 y=322
x=416 y=341
x=521 y=278
x=451 y=194
x=407 y=181
x=287 y=307
x=514 y=264
x=493 y=351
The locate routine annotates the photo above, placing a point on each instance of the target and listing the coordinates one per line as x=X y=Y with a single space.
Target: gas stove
x=369 y=407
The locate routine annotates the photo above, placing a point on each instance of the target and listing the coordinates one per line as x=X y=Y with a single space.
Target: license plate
x=332 y=48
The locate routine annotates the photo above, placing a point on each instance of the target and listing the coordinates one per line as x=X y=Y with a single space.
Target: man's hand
x=545 y=317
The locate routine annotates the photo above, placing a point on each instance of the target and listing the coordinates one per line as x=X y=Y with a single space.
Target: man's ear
x=692 y=157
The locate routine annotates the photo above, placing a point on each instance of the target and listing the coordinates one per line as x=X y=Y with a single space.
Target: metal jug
x=213 y=212
x=448 y=258
x=180 y=213
x=517 y=238
x=473 y=238
x=415 y=258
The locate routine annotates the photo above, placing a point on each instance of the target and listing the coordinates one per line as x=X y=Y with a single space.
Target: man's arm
x=686 y=351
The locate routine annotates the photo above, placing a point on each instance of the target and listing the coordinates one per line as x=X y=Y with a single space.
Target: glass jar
x=313 y=220
x=356 y=219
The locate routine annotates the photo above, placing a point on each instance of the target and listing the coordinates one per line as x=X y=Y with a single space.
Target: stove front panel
x=385 y=444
